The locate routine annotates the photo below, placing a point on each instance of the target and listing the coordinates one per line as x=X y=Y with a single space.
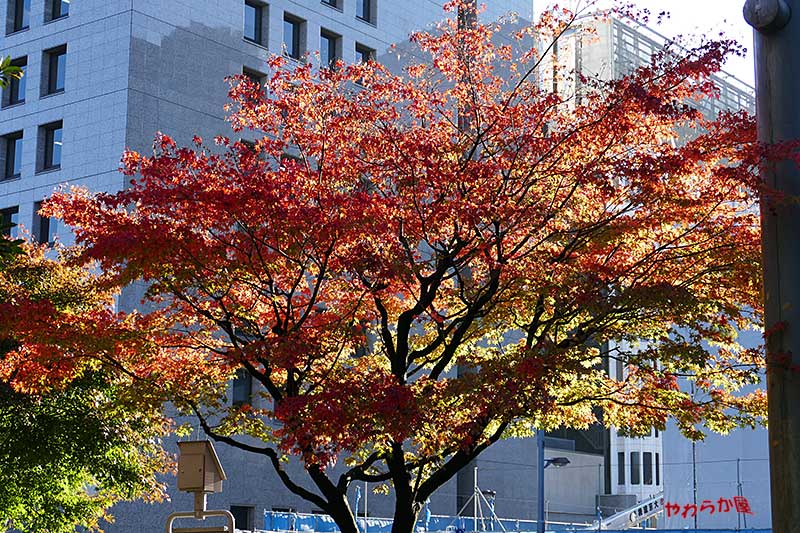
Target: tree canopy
x=413 y=266
x=70 y=447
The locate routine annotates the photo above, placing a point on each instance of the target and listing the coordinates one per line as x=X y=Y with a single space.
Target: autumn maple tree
x=385 y=230
x=77 y=435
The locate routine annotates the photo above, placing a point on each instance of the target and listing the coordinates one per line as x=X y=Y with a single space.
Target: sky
x=697 y=17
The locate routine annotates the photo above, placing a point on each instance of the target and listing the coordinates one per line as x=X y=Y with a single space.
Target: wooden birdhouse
x=199 y=469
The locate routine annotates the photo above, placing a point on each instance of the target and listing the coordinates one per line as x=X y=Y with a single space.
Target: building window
x=243 y=517
x=19 y=14
x=292 y=36
x=9 y=218
x=54 y=70
x=635 y=469
x=50 y=139
x=621 y=468
x=365 y=10
x=658 y=471
x=364 y=53
x=14 y=93
x=256 y=77
x=333 y=3
x=242 y=387
x=12 y=153
x=329 y=48
x=254 y=22
x=56 y=9
x=647 y=460
x=44 y=228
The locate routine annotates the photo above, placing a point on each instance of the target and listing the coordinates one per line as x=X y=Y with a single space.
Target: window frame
x=45 y=228
x=54 y=10
x=362 y=49
x=636 y=469
x=51 y=68
x=242 y=381
x=254 y=76
x=14 y=93
x=620 y=468
x=296 y=23
x=258 y=22
x=647 y=468
x=366 y=8
x=658 y=470
x=335 y=4
x=248 y=511
x=19 y=16
x=11 y=153
x=48 y=139
x=334 y=48
x=9 y=216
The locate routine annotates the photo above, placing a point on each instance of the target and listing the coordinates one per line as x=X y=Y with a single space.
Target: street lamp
x=542 y=464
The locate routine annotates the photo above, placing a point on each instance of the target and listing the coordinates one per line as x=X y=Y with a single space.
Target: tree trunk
x=405 y=515
x=342 y=514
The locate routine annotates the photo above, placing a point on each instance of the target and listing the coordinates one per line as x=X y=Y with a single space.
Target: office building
x=103 y=76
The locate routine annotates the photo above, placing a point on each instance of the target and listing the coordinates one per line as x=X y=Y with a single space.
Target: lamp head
x=557 y=462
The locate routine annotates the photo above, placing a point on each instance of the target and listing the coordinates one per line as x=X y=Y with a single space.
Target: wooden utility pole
x=777 y=47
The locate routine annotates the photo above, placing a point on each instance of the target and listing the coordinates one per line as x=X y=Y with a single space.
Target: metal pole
x=694 y=469
x=366 y=526
x=738 y=492
x=777 y=52
x=475 y=499
x=599 y=492
x=467 y=18
x=540 y=469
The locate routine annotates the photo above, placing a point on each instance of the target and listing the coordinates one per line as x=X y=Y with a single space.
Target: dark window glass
x=291 y=37
x=658 y=470
x=252 y=21
x=13 y=163
x=327 y=49
x=332 y=3
x=243 y=517
x=364 y=9
x=647 y=460
x=21 y=14
x=15 y=92
x=57 y=9
x=52 y=146
x=656 y=432
x=255 y=77
x=56 y=69
x=621 y=468
x=635 y=469
x=242 y=386
x=364 y=53
x=45 y=228
x=9 y=218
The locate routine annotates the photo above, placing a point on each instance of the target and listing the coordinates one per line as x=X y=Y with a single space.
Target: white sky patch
x=695 y=18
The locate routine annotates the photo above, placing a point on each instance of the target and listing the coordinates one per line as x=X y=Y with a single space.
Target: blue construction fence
x=283 y=521
x=277 y=521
